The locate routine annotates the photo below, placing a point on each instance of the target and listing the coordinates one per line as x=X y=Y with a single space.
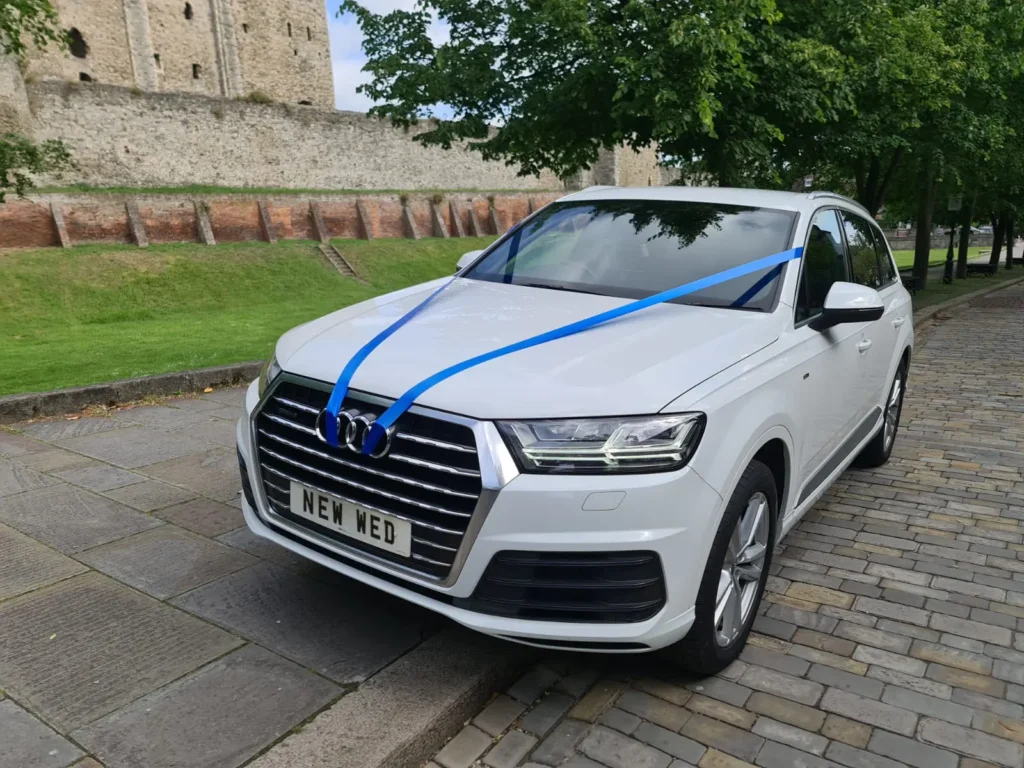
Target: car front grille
x=591 y=587
x=430 y=477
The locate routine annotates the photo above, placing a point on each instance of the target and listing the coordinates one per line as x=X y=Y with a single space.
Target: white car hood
x=635 y=365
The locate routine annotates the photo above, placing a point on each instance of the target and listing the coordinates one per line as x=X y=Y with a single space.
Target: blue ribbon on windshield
x=379 y=427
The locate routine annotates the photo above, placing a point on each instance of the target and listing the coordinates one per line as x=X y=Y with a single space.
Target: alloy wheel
x=740 y=579
x=892 y=411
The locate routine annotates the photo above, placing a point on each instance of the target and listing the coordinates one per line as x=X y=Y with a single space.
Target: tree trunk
x=925 y=204
x=965 y=237
x=1009 y=240
x=998 y=230
x=873 y=181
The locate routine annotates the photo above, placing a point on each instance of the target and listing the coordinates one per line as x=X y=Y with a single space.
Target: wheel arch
x=774 y=447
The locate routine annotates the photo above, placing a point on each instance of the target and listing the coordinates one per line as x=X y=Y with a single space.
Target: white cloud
x=347 y=57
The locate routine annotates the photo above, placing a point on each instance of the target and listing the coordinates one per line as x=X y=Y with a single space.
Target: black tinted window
x=863 y=258
x=824 y=263
x=637 y=248
x=886 y=271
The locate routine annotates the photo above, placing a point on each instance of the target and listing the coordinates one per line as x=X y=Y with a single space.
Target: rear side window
x=824 y=263
x=886 y=271
x=863 y=257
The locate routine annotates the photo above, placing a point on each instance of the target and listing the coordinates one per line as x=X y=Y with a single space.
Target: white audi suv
x=592 y=436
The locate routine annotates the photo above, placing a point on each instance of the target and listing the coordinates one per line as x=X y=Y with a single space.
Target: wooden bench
x=981 y=269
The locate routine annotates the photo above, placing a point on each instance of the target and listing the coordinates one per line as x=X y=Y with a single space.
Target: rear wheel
x=877 y=452
x=734 y=579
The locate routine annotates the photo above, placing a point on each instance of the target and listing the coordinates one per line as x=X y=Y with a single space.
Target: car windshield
x=637 y=248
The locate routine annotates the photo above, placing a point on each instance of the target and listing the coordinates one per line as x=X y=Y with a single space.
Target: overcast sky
x=347 y=55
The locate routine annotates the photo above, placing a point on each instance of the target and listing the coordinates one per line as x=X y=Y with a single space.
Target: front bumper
x=674 y=515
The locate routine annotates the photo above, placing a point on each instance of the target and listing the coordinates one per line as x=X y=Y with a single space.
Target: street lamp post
x=955 y=201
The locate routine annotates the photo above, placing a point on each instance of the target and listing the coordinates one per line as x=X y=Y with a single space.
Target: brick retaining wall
x=87 y=219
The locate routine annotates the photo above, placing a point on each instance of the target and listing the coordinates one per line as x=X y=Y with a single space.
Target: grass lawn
x=905 y=259
x=97 y=313
x=938 y=292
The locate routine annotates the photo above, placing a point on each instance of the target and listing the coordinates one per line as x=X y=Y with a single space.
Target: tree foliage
x=25 y=24
x=892 y=101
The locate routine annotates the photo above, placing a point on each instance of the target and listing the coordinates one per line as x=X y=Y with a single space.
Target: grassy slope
x=97 y=313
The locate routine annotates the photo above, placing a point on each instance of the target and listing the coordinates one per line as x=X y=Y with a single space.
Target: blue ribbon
x=341 y=388
x=379 y=427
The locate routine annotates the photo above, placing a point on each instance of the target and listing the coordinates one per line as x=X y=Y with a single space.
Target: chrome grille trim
x=434 y=443
x=435 y=545
x=431 y=465
x=486 y=473
x=295 y=405
x=362 y=487
x=377 y=472
x=326 y=492
x=292 y=424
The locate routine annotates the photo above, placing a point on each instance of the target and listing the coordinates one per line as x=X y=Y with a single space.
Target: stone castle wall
x=216 y=47
x=121 y=137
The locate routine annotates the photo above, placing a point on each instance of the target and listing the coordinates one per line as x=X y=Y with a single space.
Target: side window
x=863 y=258
x=824 y=263
x=886 y=271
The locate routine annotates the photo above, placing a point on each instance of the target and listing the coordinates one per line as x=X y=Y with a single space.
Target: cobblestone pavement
x=893 y=631
x=140 y=623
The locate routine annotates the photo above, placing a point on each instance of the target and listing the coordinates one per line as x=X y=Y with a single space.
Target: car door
x=898 y=309
x=877 y=339
x=826 y=364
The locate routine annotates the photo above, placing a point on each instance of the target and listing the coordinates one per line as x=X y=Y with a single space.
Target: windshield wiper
x=556 y=287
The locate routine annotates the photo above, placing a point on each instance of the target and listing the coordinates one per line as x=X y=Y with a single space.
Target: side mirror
x=849 y=303
x=467 y=258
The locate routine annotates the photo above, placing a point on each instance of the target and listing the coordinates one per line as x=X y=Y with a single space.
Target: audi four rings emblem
x=353 y=429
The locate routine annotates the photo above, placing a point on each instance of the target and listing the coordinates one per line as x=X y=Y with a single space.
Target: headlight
x=270 y=372
x=607 y=445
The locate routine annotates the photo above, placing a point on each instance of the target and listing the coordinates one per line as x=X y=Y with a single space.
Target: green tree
x=714 y=84
x=25 y=23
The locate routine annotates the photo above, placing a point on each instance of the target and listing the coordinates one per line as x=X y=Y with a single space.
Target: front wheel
x=877 y=452
x=734 y=578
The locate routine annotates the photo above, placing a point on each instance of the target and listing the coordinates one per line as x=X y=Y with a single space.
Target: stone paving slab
x=149 y=495
x=166 y=561
x=345 y=631
x=86 y=646
x=72 y=519
x=217 y=717
x=213 y=474
x=99 y=477
x=892 y=632
x=25 y=564
x=132 y=447
x=17 y=478
x=160 y=417
x=27 y=743
x=203 y=516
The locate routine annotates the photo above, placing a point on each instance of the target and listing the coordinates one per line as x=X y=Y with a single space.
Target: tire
x=711 y=645
x=877 y=452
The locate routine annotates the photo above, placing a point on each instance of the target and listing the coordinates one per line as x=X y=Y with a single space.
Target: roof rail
x=593 y=187
x=820 y=193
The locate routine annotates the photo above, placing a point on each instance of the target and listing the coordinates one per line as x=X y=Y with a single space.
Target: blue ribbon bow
x=379 y=427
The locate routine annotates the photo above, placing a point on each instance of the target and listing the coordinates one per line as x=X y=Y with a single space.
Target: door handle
x=898 y=322
x=864 y=345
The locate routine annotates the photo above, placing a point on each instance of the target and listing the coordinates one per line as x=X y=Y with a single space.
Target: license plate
x=373 y=528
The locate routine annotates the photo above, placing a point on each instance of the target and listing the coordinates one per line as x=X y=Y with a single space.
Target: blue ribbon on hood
x=379 y=427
